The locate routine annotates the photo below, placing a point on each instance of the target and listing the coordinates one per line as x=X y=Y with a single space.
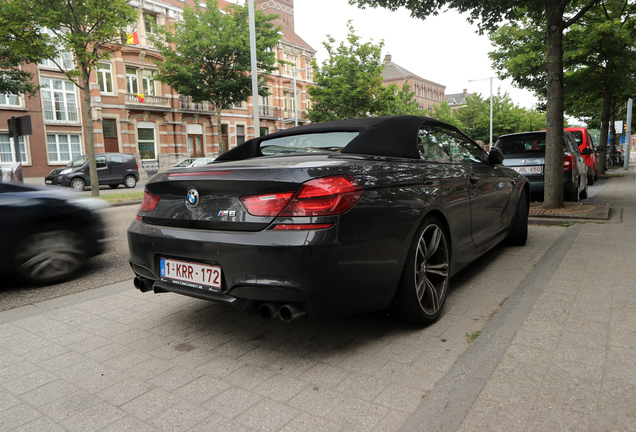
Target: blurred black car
x=330 y=219
x=113 y=169
x=46 y=235
x=525 y=153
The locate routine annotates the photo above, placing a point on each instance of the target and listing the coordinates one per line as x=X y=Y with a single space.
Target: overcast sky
x=444 y=49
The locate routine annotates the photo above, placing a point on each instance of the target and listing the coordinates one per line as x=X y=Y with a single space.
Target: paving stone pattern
x=114 y=359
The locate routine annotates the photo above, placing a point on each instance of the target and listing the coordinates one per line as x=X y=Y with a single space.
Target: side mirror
x=587 y=151
x=495 y=156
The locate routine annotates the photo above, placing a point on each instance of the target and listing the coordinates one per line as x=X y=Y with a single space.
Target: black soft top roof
x=394 y=136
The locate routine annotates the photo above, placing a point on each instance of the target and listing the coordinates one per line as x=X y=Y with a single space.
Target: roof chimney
x=387 y=59
x=465 y=92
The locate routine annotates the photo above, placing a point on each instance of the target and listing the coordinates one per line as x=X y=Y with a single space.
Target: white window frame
x=105 y=72
x=7 y=98
x=7 y=149
x=63 y=101
x=147 y=125
x=132 y=79
x=65 y=60
x=56 y=151
x=148 y=82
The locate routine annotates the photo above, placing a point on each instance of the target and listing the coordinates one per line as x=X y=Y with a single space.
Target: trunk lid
x=220 y=186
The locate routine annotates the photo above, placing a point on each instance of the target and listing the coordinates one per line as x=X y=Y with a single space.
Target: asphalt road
x=110 y=267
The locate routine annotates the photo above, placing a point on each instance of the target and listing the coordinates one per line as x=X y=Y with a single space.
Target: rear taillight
x=568 y=162
x=149 y=203
x=136 y=166
x=266 y=205
x=327 y=196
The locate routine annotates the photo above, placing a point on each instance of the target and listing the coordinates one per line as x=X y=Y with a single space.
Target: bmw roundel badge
x=192 y=199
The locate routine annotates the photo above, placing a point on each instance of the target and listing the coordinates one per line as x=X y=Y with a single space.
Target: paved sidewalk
x=555 y=351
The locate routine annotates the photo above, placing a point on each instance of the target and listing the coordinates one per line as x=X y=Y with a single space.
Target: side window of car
x=432 y=145
x=463 y=150
x=116 y=161
x=101 y=162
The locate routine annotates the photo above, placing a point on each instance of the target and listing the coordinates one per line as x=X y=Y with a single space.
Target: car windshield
x=184 y=163
x=78 y=161
x=307 y=143
x=515 y=144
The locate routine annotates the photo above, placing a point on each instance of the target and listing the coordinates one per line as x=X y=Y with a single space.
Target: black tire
x=518 y=235
x=583 y=193
x=423 y=287
x=590 y=177
x=78 y=184
x=49 y=255
x=130 y=181
x=113 y=186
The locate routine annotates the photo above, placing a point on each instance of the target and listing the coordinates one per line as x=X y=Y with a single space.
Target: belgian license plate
x=535 y=169
x=190 y=274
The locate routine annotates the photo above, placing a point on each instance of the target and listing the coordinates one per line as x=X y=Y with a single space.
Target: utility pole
x=255 y=107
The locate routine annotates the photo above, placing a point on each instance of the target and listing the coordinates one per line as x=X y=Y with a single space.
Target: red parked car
x=584 y=140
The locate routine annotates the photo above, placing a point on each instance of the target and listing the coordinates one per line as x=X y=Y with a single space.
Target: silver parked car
x=525 y=153
x=193 y=162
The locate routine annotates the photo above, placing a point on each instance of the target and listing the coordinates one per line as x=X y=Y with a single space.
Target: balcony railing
x=147 y=100
x=185 y=103
x=269 y=111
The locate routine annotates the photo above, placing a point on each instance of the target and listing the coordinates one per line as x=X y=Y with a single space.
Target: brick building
x=134 y=113
x=427 y=93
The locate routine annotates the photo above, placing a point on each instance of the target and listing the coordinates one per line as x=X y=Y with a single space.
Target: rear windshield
x=307 y=143
x=522 y=144
x=578 y=137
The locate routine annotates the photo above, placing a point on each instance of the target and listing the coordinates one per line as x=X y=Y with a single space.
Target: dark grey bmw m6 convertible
x=330 y=219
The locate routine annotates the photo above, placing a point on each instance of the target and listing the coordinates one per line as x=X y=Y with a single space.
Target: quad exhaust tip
x=143 y=285
x=287 y=312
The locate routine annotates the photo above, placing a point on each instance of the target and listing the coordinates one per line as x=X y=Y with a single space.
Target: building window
x=7 y=150
x=148 y=77
x=288 y=99
x=105 y=77
x=58 y=99
x=10 y=100
x=263 y=131
x=132 y=80
x=240 y=134
x=63 y=148
x=65 y=60
x=146 y=142
x=289 y=68
x=149 y=22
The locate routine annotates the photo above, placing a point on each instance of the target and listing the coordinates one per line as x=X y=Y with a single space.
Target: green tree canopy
x=207 y=57
x=349 y=83
x=554 y=17
x=599 y=61
x=83 y=28
x=21 y=42
x=474 y=118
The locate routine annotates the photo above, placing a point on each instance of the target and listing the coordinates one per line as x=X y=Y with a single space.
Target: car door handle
x=473 y=178
x=513 y=182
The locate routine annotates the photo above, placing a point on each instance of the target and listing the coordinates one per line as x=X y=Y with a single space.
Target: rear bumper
x=537 y=186
x=327 y=275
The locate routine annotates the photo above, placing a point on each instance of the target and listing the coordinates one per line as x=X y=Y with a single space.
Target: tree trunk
x=553 y=172
x=90 y=136
x=219 y=131
x=605 y=119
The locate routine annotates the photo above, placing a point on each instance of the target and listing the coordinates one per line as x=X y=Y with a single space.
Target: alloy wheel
x=46 y=257
x=432 y=269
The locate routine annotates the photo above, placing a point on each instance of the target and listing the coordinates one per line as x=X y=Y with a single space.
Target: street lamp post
x=490 y=78
x=294 y=70
x=253 y=61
